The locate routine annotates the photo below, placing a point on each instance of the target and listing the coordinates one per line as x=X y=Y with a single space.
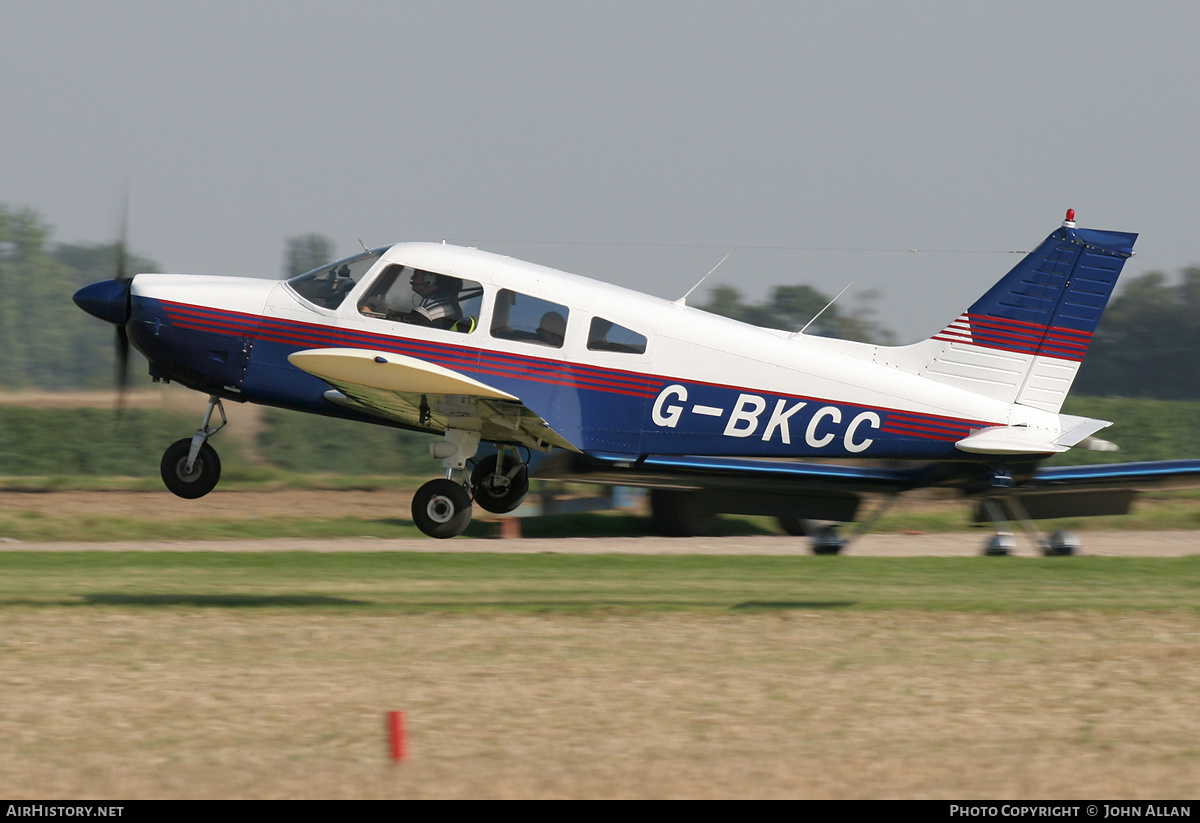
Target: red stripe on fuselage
x=525 y=367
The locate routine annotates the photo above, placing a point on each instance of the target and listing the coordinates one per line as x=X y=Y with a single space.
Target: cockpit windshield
x=328 y=286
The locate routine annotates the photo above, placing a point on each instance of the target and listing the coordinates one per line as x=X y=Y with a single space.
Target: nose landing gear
x=190 y=467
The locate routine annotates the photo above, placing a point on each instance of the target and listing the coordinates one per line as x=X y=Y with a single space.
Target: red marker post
x=399 y=736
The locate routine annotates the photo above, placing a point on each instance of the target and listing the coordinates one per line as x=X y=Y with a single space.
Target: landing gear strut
x=442 y=508
x=828 y=540
x=1007 y=509
x=190 y=467
x=499 y=482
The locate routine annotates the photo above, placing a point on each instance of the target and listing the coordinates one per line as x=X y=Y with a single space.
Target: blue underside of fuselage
x=599 y=409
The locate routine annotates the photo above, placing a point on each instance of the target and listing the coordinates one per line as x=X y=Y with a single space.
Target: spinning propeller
x=126 y=281
x=111 y=301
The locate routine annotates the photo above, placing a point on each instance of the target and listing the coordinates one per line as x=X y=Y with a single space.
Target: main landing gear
x=1004 y=509
x=442 y=508
x=190 y=467
x=827 y=540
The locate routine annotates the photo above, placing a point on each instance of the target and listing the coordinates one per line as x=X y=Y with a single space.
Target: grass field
x=398 y=583
x=145 y=674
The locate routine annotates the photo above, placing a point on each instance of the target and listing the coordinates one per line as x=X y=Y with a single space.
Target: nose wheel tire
x=441 y=508
x=205 y=473
x=502 y=494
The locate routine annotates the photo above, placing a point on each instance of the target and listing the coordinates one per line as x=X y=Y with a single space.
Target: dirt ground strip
x=240 y=504
x=391 y=502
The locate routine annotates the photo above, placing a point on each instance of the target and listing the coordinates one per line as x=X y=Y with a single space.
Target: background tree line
x=1148 y=344
x=47 y=343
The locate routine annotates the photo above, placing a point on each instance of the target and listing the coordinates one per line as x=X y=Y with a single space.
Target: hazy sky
x=632 y=142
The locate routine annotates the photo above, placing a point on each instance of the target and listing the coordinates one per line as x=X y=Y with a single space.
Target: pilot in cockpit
x=434 y=298
x=439 y=300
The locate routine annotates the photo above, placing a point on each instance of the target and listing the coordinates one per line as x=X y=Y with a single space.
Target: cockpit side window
x=424 y=298
x=531 y=319
x=605 y=335
x=328 y=286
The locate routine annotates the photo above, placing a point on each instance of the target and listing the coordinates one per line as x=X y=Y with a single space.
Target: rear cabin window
x=423 y=298
x=531 y=319
x=605 y=335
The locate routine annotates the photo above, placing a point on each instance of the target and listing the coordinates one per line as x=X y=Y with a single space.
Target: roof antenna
x=822 y=311
x=683 y=300
x=364 y=245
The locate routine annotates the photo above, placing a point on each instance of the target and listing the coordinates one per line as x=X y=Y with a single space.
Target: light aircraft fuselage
x=487 y=349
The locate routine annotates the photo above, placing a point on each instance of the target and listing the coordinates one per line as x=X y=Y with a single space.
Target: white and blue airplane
x=611 y=386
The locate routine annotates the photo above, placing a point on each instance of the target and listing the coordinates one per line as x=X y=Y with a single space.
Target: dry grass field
x=264 y=703
x=262 y=700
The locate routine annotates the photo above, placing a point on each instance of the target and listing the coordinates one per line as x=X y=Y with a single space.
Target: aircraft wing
x=1153 y=474
x=425 y=396
x=833 y=491
x=1085 y=491
x=775 y=488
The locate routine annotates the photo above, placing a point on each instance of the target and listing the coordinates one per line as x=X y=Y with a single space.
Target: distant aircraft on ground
x=617 y=387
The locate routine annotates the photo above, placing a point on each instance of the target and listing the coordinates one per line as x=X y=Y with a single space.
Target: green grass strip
x=403 y=582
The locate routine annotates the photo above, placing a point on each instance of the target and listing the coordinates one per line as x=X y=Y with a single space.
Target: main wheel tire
x=1062 y=544
x=499 y=495
x=1000 y=545
x=826 y=541
x=205 y=473
x=441 y=508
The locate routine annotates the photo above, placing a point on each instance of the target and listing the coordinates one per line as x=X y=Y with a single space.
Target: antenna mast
x=822 y=311
x=683 y=300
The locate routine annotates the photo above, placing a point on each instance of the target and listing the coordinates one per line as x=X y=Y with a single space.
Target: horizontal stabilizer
x=1076 y=430
x=1030 y=440
x=1009 y=440
x=1097 y=445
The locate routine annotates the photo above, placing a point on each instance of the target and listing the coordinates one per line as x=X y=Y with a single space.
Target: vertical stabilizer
x=1022 y=341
